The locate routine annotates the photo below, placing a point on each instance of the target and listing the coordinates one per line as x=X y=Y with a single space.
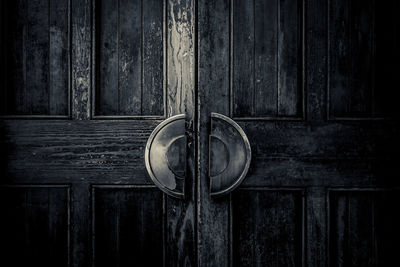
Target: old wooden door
x=312 y=83
x=83 y=84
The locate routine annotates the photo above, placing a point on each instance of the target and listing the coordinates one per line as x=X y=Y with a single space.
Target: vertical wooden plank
x=339 y=58
x=37 y=61
x=106 y=221
x=362 y=52
x=152 y=58
x=180 y=52
x=243 y=58
x=316 y=59
x=289 y=45
x=35 y=225
x=81 y=58
x=58 y=57
x=214 y=58
x=353 y=229
x=80 y=224
x=214 y=92
x=181 y=223
x=337 y=226
x=316 y=239
x=352 y=58
x=361 y=230
x=128 y=225
x=108 y=61
x=58 y=221
x=128 y=49
x=12 y=225
x=265 y=71
x=17 y=36
x=267 y=228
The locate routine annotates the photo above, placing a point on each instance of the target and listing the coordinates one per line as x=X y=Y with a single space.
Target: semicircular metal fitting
x=165 y=156
x=229 y=155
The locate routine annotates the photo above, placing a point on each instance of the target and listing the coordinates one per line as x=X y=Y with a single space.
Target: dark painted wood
x=59 y=57
x=243 y=59
x=267 y=58
x=360 y=55
x=267 y=228
x=214 y=89
x=359 y=225
x=35 y=225
x=289 y=48
x=129 y=62
x=128 y=226
x=59 y=164
x=153 y=23
x=311 y=155
x=35 y=58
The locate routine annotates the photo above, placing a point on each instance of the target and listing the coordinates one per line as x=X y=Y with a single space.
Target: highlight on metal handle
x=229 y=155
x=165 y=156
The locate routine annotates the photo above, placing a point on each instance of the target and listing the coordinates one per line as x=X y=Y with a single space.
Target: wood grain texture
x=70 y=151
x=267 y=59
x=267 y=228
x=81 y=59
x=315 y=59
x=180 y=46
x=359 y=225
x=35 y=58
x=316 y=236
x=129 y=58
x=128 y=226
x=325 y=154
x=35 y=225
x=213 y=214
x=80 y=224
x=153 y=57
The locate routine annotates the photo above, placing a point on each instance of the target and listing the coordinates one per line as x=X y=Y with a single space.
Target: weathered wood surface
x=129 y=58
x=266 y=58
x=267 y=228
x=238 y=51
x=128 y=226
x=35 y=57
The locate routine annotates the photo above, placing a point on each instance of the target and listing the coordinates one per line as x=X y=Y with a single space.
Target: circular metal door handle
x=165 y=156
x=229 y=155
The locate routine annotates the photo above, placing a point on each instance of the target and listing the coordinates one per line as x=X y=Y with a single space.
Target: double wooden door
x=312 y=84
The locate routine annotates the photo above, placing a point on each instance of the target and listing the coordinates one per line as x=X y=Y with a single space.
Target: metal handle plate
x=165 y=156
x=229 y=155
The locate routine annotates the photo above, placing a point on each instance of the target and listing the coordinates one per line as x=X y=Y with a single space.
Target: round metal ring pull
x=165 y=156
x=230 y=155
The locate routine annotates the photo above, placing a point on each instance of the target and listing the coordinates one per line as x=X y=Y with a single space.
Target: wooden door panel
x=90 y=148
x=363 y=227
x=129 y=58
x=268 y=227
x=362 y=41
x=35 y=58
x=266 y=47
x=303 y=147
x=50 y=151
x=35 y=225
x=128 y=224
